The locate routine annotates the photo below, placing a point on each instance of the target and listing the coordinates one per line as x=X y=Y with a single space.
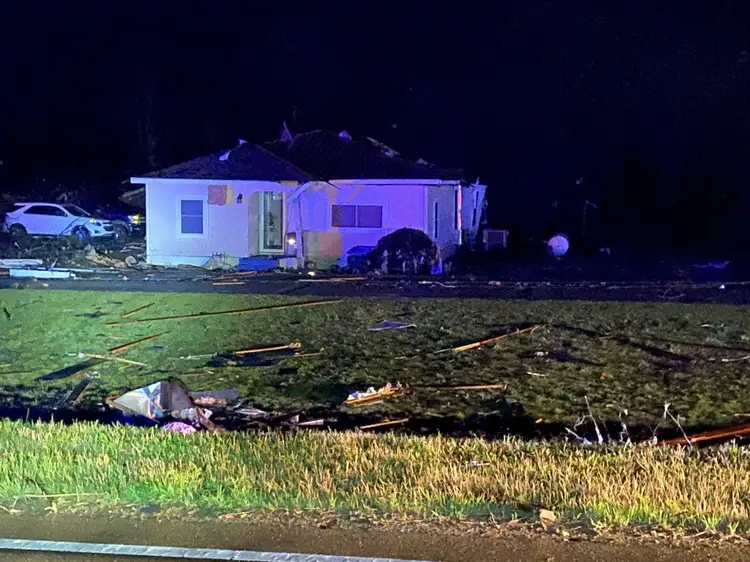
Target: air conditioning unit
x=493 y=239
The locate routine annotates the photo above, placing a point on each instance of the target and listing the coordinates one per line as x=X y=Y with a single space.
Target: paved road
x=369 y=542
x=734 y=293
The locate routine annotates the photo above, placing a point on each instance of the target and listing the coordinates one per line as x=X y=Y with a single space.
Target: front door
x=271 y=222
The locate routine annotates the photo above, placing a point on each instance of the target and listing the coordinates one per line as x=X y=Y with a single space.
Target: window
x=357 y=216
x=474 y=212
x=435 y=216
x=76 y=211
x=191 y=216
x=369 y=216
x=46 y=210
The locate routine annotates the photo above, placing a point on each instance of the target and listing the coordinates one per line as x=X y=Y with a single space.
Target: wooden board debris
x=225 y=312
x=135 y=310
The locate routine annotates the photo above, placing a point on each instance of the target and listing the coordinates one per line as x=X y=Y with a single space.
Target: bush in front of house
x=406 y=250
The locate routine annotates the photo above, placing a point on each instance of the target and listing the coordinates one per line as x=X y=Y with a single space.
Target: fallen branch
x=123 y=347
x=383 y=424
x=144 y=307
x=293 y=345
x=225 y=312
x=221 y=283
x=110 y=358
x=475 y=345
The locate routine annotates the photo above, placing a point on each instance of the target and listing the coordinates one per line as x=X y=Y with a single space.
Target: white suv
x=51 y=219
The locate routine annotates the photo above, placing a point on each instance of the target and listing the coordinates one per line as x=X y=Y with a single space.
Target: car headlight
x=95 y=222
x=134 y=219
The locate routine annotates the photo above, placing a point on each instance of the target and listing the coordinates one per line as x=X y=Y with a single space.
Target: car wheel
x=81 y=233
x=121 y=232
x=19 y=234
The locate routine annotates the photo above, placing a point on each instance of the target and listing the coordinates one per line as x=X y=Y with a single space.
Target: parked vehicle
x=52 y=219
x=124 y=217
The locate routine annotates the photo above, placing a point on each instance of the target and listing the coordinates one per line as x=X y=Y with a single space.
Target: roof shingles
x=317 y=155
x=246 y=162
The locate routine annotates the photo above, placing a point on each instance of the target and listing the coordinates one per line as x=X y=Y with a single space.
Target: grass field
x=623 y=356
x=92 y=467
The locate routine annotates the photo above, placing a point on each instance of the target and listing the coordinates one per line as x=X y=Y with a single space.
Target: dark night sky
x=649 y=101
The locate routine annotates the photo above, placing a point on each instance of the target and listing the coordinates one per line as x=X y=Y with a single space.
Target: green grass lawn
x=620 y=355
x=114 y=468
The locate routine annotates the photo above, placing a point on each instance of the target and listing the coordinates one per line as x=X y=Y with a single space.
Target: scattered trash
x=178 y=427
x=144 y=307
x=252 y=413
x=533 y=374
x=383 y=424
x=357 y=399
x=546 y=516
x=162 y=400
x=215 y=398
x=475 y=345
x=389 y=325
x=226 y=312
x=478 y=464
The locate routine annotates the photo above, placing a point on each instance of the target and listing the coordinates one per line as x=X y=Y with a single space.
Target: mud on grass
x=623 y=356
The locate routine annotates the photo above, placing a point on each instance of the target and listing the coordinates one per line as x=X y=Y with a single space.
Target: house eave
x=430 y=181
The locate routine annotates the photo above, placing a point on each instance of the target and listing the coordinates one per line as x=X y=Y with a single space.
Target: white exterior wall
x=403 y=206
x=227 y=228
x=447 y=236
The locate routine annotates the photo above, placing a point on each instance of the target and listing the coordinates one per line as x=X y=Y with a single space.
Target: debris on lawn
x=144 y=307
x=502 y=386
x=387 y=325
x=128 y=345
x=67 y=372
x=357 y=399
x=311 y=423
x=386 y=423
x=235 y=276
x=111 y=358
x=475 y=345
x=252 y=413
x=13 y=263
x=292 y=346
x=711 y=435
x=163 y=400
x=76 y=393
x=179 y=427
x=226 y=312
x=215 y=398
x=41 y=273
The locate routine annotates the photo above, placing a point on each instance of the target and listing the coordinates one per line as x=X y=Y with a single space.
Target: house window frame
x=204 y=202
x=435 y=219
x=356 y=228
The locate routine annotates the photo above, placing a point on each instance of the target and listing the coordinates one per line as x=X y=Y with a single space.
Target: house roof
x=330 y=156
x=248 y=162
